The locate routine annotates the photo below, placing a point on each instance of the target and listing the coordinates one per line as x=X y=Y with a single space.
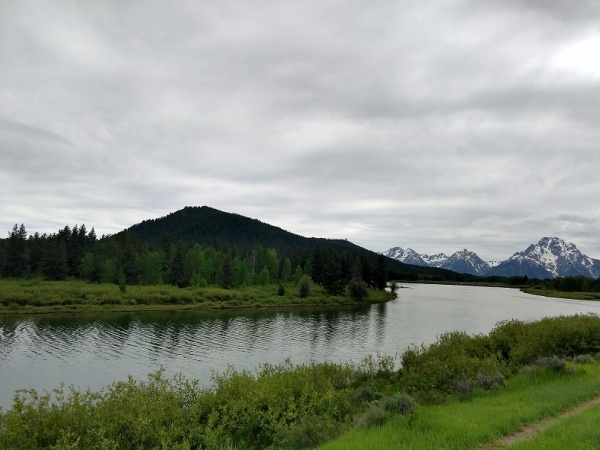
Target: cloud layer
x=437 y=126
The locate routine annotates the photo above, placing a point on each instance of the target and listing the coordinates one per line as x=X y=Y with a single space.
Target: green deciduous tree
x=264 y=277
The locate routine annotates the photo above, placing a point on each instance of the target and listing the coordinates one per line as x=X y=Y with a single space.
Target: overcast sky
x=435 y=125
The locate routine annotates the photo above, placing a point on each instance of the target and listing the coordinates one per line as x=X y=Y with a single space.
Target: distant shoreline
x=33 y=297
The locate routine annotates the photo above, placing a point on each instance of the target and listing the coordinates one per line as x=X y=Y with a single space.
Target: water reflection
x=93 y=351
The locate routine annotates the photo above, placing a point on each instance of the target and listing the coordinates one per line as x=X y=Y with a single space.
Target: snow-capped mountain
x=435 y=260
x=408 y=256
x=551 y=257
x=466 y=261
x=463 y=261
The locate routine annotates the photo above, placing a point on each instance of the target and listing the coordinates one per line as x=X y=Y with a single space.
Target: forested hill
x=209 y=226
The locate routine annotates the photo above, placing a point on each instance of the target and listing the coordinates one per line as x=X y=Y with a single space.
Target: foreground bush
x=283 y=406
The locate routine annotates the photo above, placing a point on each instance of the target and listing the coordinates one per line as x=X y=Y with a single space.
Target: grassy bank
x=459 y=392
x=561 y=294
x=481 y=419
x=38 y=296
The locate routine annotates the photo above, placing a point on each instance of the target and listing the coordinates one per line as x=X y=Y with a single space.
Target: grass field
x=479 y=421
x=561 y=294
x=579 y=431
x=38 y=296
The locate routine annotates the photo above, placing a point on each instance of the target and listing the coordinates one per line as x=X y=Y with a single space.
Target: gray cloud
x=436 y=126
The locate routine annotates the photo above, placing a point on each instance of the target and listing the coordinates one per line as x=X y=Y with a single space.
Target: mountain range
x=551 y=257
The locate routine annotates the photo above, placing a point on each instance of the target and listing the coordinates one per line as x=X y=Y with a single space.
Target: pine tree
x=332 y=278
x=381 y=273
x=178 y=276
x=317 y=264
x=17 y=258
x=54 y=261
x=225 y=277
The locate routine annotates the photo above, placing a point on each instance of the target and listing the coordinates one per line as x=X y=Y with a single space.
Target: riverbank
x=537 y=409
x=459 y=392
x=18 y=297
x=561 y=294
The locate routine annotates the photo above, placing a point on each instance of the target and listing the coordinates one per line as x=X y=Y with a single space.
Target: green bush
x=523 y=343
x=490 y=380
x=443 y=365
x=366 y=394
x=584 y=359
x=400 y=403
x=358 y=290
x=304 y=286
x=374 y=416
x=553 y=362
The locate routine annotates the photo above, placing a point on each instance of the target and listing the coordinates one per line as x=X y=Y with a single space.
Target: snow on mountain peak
x=551 y=257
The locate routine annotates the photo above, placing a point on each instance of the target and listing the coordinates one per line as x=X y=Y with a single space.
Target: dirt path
x=538 y=427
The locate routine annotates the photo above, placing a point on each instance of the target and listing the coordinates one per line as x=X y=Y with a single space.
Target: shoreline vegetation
x=36 y=296
x=574 y=295
x=462 y=391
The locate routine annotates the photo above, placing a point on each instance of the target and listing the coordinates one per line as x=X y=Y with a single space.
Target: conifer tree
x=16 y=256
x=381 y=273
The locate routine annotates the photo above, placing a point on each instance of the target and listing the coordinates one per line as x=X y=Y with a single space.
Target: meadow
x=34 y=296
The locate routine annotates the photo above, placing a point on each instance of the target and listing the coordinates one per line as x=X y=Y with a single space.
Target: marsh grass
x=39 y=296
x=561 y=294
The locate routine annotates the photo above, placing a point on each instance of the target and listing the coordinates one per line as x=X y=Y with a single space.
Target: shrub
x=553 y=362
x=584 y=359
x=375 y=415
x=304 y=286
x=366 y=393
x=488 y=381
x=281 y=290
x=358 y=290
x=308 y=432
x=521 y=344
x=400 y=403
x=464 y=385
x=440 y=366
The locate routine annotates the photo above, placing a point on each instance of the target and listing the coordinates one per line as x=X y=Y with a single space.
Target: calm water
x=94 y=351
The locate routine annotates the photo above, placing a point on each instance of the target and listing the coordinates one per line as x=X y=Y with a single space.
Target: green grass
x=561 y=294
x=464 y=424
x=580 y=431
x=39 y=296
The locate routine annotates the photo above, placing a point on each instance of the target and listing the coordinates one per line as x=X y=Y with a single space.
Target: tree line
x=126 y=260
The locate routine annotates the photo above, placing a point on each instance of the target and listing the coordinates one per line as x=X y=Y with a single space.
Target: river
x=93 y=351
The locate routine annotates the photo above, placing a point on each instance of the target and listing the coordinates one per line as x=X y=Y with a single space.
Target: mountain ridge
x=550 y=257
x=209 y=226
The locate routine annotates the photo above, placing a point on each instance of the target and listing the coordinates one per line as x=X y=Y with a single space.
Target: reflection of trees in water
x=160 y=337
x=380 y=311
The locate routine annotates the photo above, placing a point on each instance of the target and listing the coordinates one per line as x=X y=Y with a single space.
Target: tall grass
x=580 y=431
x=36 y=295
x=487 y=416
